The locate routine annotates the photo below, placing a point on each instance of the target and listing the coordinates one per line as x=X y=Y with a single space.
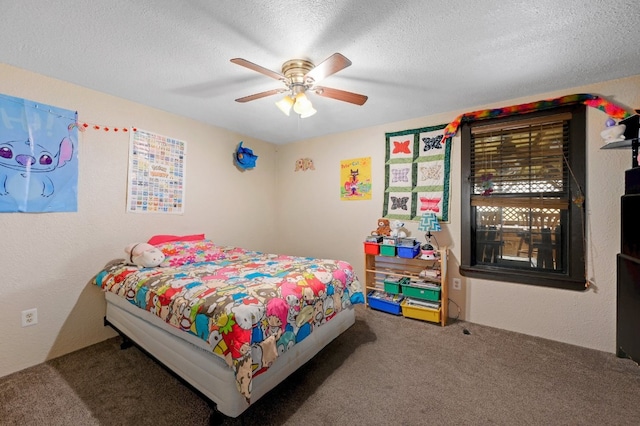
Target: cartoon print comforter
x=249 y=306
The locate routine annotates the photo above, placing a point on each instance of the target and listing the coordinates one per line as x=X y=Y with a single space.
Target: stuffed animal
x=613 y=133
x=144 y=255
x=383 y=228
x=397 y=229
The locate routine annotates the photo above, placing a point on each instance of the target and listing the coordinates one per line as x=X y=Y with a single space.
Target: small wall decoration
x=38 y=157
x=304 y=164
x=156 y=173
x=417 y=173
x=245 y=158
x=355 y=175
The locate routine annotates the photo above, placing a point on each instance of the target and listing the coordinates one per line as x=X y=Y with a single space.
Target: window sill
x=536 y=278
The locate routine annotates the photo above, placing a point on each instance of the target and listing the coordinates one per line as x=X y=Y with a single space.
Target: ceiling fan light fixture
x=298 y=76
x=308 y=113
x=285 y=104
x=302 y=104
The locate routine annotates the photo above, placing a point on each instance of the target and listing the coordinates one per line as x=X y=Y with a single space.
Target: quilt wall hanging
x=355 y=176
x=38 y=157
x=156 y=173
x=417 y=168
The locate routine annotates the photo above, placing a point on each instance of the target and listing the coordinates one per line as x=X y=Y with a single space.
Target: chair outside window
x=489 y=237
x=540 y=239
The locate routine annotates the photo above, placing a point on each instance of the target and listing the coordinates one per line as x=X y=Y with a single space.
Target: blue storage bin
x=409 y=252
x=389 y=303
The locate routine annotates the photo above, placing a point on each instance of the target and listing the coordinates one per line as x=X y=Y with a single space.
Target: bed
x=232 y=323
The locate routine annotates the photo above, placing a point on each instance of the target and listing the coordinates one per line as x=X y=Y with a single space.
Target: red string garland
x=74 y=121
x=84 y=126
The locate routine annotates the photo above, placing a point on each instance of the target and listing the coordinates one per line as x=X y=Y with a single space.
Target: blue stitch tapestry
x=38 y=160
x=417 y=166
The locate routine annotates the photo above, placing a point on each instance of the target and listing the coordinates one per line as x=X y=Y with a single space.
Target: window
x=522 y=198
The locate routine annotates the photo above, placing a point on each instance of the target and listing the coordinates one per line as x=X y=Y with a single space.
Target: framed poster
x=156 y=173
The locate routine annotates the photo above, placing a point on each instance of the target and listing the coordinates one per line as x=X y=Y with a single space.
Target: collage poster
x=355 y=178
x=156 y=174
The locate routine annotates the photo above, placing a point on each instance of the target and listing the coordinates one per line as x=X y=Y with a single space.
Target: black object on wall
x=628 y=286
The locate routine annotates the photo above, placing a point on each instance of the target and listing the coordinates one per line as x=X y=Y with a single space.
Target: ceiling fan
x=300 y=76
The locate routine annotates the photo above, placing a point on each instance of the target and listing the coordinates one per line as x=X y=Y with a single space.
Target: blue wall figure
x=245 y=158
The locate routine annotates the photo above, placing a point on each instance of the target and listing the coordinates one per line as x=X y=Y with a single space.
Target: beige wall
x=47 y=259
x=319 y=224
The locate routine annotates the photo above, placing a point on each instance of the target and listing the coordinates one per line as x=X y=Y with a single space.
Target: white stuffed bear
x=397 y=229
x=144 y=255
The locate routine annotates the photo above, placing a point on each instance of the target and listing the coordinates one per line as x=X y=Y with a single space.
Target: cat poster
x=355 y=178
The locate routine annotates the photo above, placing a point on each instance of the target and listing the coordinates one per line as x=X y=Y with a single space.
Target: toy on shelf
x=383 y=229
x=427 y=252
x=613 y=132
x=630 y=138
x=432 y=273
x=397 y=229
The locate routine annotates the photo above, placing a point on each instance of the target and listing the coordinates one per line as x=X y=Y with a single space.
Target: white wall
x=319 y=224
x=47 y=260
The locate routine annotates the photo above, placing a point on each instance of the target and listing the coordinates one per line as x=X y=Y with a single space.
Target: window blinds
x=521 y=164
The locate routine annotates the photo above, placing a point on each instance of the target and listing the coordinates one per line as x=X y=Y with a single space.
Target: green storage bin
x=387 y=250
x=393 y=285
x=425 y=292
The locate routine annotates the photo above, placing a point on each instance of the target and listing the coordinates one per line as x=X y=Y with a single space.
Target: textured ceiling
x=412 y=58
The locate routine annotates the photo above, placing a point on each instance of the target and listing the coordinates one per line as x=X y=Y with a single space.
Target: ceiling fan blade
x=341 y=95
x=329 y=66
x=258 y=68
x=260 y=95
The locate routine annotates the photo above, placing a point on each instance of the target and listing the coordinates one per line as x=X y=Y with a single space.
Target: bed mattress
x=191 y=358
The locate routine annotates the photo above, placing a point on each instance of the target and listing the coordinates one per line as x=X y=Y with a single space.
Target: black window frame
x=574 y=278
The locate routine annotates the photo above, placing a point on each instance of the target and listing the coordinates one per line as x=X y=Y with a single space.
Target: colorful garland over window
x=613 y=110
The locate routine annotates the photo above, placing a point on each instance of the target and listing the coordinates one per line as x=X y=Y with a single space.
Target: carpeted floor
x=383 y=370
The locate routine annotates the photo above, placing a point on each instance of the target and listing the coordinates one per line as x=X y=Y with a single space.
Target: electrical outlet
x=457 y=284
x=29 y=317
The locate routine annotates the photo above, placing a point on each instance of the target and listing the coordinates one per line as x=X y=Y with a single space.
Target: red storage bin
x=372 y=248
